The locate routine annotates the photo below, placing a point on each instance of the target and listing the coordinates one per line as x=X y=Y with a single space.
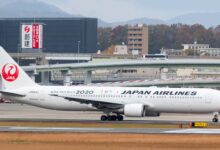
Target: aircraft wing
x=102 y=105
x=12 y=94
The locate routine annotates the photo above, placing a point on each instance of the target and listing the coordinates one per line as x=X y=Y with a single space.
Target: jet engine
x=134 y=110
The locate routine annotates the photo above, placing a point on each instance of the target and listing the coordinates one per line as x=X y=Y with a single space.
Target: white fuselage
x=170 y=100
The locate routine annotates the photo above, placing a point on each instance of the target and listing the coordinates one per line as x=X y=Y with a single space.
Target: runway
x=24 y=113
x=109 y=130
x=95 y=121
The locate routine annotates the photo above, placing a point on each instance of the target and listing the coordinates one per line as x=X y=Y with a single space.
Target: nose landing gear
x=215 y=118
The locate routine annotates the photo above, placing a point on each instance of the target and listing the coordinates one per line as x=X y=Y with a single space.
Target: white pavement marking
x=60 y=128
x=195 y=131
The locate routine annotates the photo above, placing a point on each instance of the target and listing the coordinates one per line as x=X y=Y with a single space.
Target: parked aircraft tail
x=12 y=76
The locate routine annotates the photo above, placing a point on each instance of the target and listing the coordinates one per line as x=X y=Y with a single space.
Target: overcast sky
x=122 y=10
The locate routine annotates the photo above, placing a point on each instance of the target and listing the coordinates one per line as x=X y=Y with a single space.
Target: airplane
x=114 y=102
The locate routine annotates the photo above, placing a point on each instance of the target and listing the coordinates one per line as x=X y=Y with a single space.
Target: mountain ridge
x=30 y=8
x=36 y=8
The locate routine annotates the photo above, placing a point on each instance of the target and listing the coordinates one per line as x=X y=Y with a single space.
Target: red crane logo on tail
x=10 y=72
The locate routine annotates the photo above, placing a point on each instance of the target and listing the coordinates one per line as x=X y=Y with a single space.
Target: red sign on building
x=32 y=36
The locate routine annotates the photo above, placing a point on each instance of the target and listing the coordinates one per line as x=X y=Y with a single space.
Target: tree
x=108 y=36
x=104 y=38
x=119 y=34
x=163 y=36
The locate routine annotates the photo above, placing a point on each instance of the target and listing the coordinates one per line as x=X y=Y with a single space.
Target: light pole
x=18 y=54
x=78 y=51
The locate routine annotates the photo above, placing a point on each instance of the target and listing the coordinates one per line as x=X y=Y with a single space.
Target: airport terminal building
x=60 y=35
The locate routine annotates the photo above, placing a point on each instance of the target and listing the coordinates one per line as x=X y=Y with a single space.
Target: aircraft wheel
x=104 y=118
x=215 y=120
x=215 y=117
x=109 y=118
x=120 y=118
x=113 y=118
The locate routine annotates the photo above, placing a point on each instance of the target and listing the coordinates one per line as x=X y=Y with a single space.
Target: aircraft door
x=208 y=99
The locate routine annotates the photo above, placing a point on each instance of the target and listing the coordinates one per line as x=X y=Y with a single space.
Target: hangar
x=60 y=35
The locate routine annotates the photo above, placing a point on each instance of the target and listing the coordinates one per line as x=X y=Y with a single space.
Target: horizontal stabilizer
x=12 y=94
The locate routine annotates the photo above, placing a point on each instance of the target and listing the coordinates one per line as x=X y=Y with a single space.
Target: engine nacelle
x=134 y=110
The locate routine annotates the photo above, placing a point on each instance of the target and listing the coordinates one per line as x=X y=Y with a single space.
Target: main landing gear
x=215 y=118
x=112 y=118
